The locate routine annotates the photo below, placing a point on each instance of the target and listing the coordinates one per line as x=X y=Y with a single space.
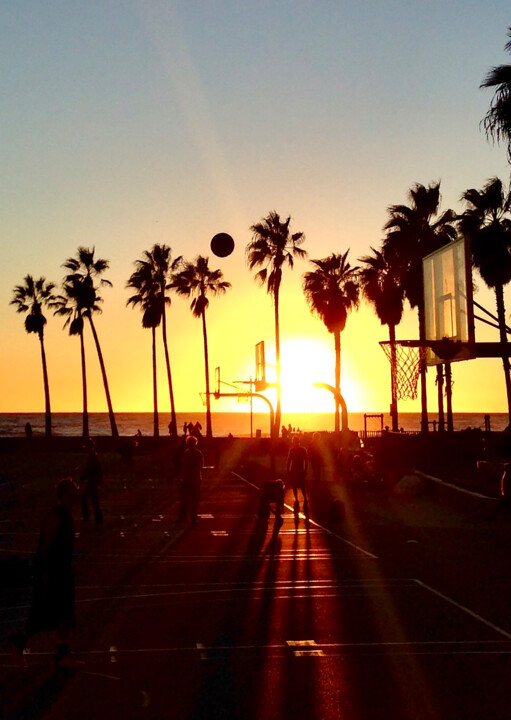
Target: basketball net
x=408 y=366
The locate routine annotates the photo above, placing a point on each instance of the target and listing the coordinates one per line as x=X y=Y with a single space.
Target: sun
x=304 y=362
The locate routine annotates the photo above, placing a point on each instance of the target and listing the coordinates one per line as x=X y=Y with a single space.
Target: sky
x=128 y=123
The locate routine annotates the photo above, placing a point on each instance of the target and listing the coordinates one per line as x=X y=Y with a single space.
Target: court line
x=422 y=647
x=316 y=524
x=464 y=609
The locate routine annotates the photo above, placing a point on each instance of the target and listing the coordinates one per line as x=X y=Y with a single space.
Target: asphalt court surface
x=227 y=620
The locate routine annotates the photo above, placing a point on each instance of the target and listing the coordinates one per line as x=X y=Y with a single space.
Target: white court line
x=318 y=525
x=464 y=609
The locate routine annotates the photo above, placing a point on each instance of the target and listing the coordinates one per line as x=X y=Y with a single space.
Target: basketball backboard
x=448 y=304
x=260 y=363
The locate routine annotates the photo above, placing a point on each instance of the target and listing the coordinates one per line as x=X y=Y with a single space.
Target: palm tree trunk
x=113 y=425
x=173 y=421
x=423 y=369
x=85 y=412
x=278 y=410
x=337 y=339
x=501 y=315
x=393 y=379
x=47 y=407
x=209 y=430
x=156 y=429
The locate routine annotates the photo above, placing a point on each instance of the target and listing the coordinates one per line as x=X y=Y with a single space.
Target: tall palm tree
x=31 y=298
x=85 y=269
x=486 y=222
x=272 y=247
x=197 y=280
x=379 y=280
x=414 y=231
x=497 y=121
x=159 y=263
x=332 y=292
x=149 y=298
x=68 y=305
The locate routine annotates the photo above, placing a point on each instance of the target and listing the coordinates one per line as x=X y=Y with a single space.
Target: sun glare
x=303 y=363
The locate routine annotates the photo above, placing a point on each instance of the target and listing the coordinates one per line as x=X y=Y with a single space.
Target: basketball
x=222 y=244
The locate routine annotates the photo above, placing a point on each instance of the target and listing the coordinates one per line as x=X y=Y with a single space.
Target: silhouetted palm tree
x=497 y=121
x=380 y=283
x=413 y=233
x=31 y=298
x=148 y=296
x=197 y=280
x=272 y=247
x=487 y=224
x=159 y=263
x=68 y=305
x=332 y=292
x=85 y=269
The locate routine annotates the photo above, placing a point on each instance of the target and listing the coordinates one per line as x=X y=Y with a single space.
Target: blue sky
x=130 y=123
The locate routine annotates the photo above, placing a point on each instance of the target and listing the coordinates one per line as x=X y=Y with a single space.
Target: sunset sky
x=127 y=123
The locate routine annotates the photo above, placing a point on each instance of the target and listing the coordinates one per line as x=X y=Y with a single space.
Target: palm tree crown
x=274 y=247
x=497 y=122
x=380 y=283
x=31 y=298
x=332 y=290
x=486 y=223
x=415 y=231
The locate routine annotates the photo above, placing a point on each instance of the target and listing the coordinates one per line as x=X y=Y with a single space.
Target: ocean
x=239 y=424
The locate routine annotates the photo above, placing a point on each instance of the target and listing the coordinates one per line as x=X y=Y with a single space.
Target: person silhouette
x=53 y=603
x=297 y=465
x=192 y=462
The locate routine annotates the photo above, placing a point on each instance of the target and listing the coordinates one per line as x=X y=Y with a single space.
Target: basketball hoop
x=409 y=359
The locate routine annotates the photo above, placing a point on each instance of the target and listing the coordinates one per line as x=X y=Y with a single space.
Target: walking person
x=297 y=465
x=192 y=462
x=53 y=604
x=92 y=478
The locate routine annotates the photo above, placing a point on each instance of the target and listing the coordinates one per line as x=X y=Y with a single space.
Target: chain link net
x=408 y=365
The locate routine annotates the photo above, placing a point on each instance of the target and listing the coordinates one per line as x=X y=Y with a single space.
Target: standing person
x=92 y=478
x=297 y=465
x=192 y=462
x=53 y=604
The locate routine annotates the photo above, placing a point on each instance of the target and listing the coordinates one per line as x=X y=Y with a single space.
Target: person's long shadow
x=232 y=682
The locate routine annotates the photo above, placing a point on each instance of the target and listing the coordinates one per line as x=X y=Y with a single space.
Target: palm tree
x=149 y=298
x=332 y=292
x=486 y=222
x=31 y=298
x=379 y=280
x=84 y=270
x=159 y=264
x=68 y=305
x=497 y=122
x=272 y=247
x=415 y=231
x=197 y=280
